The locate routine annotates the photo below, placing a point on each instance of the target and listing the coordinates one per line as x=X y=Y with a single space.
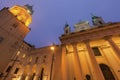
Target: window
x=33 y=76
x=30 y=59
x=16 y=70
x=23 y=55
x=66 y=31
x=1 y=74
x=45 y=56
x=41 y=74
x=107 y=73
x=15 y=25
x=9 y=68
x=1 y=39
x=96 y=51
x=36 y=60
x=88 y=77
x=18 y=53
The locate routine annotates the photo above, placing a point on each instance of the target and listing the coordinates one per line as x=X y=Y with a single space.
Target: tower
x=23 y=14
x=14 y=24
x=97 y=20
x=67 y=29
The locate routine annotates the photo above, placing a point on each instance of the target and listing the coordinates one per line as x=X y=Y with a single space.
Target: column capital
x=74 y=44
x=114 y=46
x=63 y=45
x=86 y=41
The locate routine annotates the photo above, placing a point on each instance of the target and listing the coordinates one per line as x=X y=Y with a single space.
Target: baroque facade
x=88 y=53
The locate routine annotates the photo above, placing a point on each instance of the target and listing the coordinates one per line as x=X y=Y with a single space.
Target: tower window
x=45 y=56
x=66 y=31
x=16 y=70
x=23 y=55
x=15 y=25
x=100 y=22
x=1 y=39
x=96 y=51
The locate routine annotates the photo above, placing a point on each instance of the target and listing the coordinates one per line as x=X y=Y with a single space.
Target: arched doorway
x=108 y=75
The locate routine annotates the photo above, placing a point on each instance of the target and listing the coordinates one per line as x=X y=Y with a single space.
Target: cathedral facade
x=87 y=53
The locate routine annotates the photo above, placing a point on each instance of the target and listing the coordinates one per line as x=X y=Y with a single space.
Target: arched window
x=41 y=74
x=88 y=77
x=107 y=72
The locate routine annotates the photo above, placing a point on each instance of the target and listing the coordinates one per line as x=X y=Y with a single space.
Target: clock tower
x=14 y=26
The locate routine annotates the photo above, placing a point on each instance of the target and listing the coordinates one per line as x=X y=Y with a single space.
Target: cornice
x=93 y=33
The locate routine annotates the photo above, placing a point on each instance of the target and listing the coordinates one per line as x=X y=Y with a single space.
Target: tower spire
x=29 y=8
x=96 y=20
x=67 y=29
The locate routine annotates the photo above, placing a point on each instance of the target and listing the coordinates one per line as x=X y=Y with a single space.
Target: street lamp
x=52 y=48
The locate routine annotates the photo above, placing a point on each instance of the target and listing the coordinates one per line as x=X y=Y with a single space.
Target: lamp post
x=52 y=48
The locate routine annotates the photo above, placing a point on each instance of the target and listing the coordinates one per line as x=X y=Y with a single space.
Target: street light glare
x=52 y=48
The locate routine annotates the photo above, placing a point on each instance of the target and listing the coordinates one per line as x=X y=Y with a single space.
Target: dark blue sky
x=50 y=16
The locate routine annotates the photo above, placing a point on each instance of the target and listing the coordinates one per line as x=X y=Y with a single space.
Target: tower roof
x=94 y=17
x=29 y=8
x=23 y=13
x=66 y=25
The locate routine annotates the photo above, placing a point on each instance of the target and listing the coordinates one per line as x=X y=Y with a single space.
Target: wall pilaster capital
x=63 y=45
x=74 y=44
x=86 y=41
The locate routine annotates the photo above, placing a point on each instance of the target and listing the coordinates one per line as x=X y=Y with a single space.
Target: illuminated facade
x=92 y=54
x=88 y=53
x=12 y=33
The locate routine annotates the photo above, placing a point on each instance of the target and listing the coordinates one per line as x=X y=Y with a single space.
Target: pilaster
x=37 y=72
x=64 y=64
x=114 y=46
x=29 y=75
x=77 y=67
x=97 y=73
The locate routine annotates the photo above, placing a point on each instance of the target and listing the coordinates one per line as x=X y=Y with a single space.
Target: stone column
x=28 y=77
x=97 y=73
x=114 y=46
x=77 y=67
x=64 y=64
x=37 y=72
x=22 y=75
